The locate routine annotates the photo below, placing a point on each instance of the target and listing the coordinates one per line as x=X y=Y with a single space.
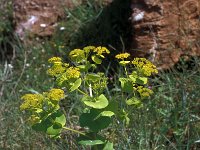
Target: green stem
x=81 y=92
x=76 y=131
x=126 y=71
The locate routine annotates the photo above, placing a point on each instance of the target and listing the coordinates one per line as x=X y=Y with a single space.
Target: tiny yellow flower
x=31 y=101
x=56 y=70
x=144 y=66
x=101 y=50
x=122 y=56
x=33 y=119
x=77 y=55
x=55 y=60
x=87 y=49
x=71 y=73
x=144 y=92
x=55 y=94
x=58 y=67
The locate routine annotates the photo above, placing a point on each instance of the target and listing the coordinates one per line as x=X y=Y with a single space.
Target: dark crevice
x=111 y=28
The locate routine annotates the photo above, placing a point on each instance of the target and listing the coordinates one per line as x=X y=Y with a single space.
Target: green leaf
x=133 y=101
x=126 y=85
x=81 y=67
x=91 y=142
x=55 y=129
x=123 y=63
x=108 y=146
x=75 y=85
x=93 y=77
x=96 y=59
x=94 y=121
x=141 y=80
x=98 y=103
x=124 y=117
x=84 y=67
x=77 y=55
x=52 y=125
x=112 y=106
x=107 y=113
x=91 y=139
x=59 y=118
x=133 y=78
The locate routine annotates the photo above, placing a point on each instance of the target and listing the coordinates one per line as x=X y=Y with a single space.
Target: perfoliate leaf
x=142 y=80
x=112 y=106
x=85 y=67
x=133 y=101
x=75 y=85
x=96 y=59
x=81 y=67
x=126 y=85
x=97 y=103
x=133 y=78
x=93 y=77
x=107 y=113
x=91 y=139
x=52 y=125
x=94 y=121
x=55 y=129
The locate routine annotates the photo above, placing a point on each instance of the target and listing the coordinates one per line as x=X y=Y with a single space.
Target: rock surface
x=39 y=16
x=166 y=30
x=163 y=31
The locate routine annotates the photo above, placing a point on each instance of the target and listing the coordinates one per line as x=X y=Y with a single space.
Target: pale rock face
x=39 y=17
x=165 y=30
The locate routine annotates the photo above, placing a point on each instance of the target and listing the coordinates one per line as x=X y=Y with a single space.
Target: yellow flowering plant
x=44 y=109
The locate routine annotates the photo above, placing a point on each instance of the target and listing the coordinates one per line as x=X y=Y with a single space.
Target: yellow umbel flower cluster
x=55 y=94
x=58 y=67
x=80 y=56
x=70 y=74
x=73 y=73
x=122 y=56
x=144 y=66
x=36 y=101
x=144 y=92
x=87 y=49
x=77 y=55
x=100 y=51
x=55 y=60
x=38 y=104
x=32 y=101
x=33 y=119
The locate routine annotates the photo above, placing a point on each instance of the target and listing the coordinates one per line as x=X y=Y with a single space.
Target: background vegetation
x=170 y=119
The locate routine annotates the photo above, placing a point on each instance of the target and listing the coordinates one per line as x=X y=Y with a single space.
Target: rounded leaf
x=126 y=85
x=142 y=80
x=52 y=125
x=107 y=113
x=93 y=77
x=97 y=103
x=96 y=59
x=75 y=85
x=94 y=121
